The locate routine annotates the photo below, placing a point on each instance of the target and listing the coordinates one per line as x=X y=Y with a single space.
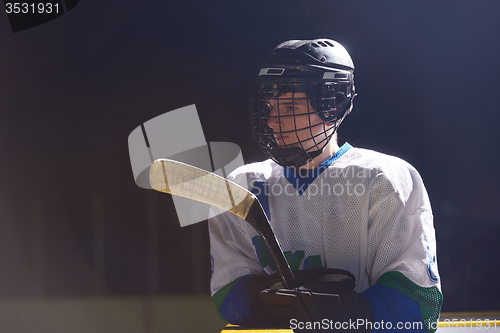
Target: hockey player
x=340 y=213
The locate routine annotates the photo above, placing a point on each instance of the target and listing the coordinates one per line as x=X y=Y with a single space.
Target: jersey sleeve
x=405 y=285
x=234 y=262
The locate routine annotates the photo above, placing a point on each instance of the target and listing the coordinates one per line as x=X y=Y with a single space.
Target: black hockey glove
x=325 y=296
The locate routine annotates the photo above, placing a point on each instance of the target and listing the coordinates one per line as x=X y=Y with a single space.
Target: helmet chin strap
x=294 y=156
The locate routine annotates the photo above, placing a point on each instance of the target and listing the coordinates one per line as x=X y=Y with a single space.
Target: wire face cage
x=293 y=124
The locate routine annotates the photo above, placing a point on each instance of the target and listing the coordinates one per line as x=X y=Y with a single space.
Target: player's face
x=295 y=122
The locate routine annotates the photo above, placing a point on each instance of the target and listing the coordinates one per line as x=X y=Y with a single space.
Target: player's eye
x=289 y=109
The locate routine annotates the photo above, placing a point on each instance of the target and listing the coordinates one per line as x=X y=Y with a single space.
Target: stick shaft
x=257 y=219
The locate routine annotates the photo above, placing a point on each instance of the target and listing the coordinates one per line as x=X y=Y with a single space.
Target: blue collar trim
x=302 y=178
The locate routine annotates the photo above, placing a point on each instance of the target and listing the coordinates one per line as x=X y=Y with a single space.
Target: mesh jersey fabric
x=367 y=213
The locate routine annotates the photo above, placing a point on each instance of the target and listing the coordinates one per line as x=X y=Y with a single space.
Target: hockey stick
x=187 y=181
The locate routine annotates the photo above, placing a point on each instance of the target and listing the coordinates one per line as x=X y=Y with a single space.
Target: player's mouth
x=280 y=138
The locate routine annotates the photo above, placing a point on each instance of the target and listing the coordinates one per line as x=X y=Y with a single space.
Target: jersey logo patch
x=294 y=259
x=431 y=266
x=262 y=253
x=313 y=262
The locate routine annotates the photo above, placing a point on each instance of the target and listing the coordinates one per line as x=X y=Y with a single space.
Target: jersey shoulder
x=374 y=159
x=392 y=170
x=378 y=163
x=247 y=174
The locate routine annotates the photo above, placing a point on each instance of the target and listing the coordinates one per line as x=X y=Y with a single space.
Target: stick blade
x=177 y=178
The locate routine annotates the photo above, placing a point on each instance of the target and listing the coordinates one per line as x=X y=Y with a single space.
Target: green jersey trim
x=430 y=299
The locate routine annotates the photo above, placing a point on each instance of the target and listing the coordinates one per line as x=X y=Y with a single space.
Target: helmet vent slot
x=321 y=44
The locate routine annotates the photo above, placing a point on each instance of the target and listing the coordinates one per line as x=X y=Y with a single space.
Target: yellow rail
x=486 y=320
x=460 y=323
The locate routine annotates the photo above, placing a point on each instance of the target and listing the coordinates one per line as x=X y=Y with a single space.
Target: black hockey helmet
x=319 y=71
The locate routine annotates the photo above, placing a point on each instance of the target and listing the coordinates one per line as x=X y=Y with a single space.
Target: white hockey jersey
x=365 y=212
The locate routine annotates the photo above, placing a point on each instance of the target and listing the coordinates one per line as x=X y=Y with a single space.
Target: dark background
x=72 y=221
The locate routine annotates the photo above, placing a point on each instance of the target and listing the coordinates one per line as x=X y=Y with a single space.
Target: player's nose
x=274 y=120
